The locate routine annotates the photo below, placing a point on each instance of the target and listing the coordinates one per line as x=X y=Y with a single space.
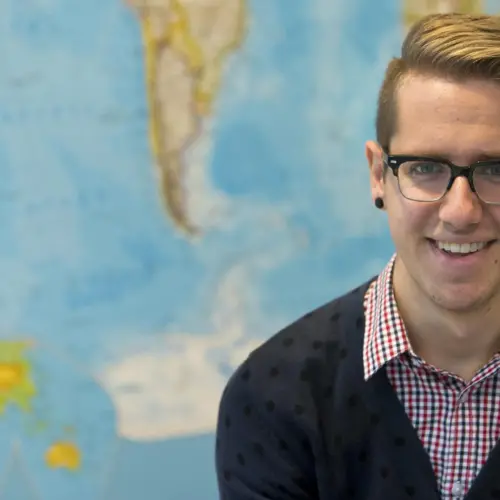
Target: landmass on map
x=18 y=388
x=186 y=43
x=156 y=387
x=415 y=9
x=57 y=424
x=16 y=383
x=63 y=455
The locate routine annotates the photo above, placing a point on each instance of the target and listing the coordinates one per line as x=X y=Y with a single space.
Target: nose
x=460 y=207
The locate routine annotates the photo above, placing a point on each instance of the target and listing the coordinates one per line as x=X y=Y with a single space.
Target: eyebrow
x=437 y=156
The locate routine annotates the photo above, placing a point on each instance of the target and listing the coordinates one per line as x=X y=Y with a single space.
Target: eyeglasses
x=427 y=179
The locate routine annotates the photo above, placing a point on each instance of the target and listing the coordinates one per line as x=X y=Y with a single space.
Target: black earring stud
x=379 y=203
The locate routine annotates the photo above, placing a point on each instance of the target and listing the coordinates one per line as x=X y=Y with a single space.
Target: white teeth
x=463 y=248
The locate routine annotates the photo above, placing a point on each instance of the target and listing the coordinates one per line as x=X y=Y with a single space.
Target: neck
x=458 y=342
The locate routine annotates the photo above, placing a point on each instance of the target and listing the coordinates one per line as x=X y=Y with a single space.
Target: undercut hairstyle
x=457 y=47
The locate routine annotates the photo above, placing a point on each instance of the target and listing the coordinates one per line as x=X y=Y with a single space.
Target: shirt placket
x=460 y=439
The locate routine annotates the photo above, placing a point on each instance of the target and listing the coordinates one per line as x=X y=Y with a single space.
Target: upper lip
x=461 y=242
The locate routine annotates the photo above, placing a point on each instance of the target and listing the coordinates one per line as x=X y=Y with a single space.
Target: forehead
x=434 y=114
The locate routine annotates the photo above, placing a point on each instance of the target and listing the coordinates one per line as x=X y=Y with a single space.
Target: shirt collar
x=385 y=335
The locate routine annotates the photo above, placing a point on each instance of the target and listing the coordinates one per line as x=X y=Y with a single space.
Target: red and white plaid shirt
x=457 y=422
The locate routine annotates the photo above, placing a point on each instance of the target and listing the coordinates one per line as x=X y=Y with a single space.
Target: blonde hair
x=453 y=46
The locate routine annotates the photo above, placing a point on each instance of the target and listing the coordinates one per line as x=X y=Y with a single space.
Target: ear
x=373 y=153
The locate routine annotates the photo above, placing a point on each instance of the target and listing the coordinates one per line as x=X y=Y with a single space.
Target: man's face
x=461 y=123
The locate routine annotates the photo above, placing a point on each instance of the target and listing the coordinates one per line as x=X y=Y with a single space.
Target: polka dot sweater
x=297 y=421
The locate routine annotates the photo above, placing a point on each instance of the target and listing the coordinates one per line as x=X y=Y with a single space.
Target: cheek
x=494 y=211
x=409 y=220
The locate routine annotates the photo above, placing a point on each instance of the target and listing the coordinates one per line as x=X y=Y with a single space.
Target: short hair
x=454 y=46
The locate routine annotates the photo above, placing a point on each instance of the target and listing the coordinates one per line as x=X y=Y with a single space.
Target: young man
x=392 y=391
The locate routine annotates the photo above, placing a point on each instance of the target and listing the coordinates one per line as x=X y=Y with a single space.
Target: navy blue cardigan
x=297 y=421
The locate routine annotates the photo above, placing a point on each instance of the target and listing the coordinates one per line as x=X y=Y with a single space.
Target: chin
x=461 y=298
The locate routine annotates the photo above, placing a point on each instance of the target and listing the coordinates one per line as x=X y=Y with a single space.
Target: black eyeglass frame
x=395 y=161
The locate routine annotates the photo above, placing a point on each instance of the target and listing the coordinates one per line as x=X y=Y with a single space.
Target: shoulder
x=268 y=414
x=336 y=325
x=287 y=373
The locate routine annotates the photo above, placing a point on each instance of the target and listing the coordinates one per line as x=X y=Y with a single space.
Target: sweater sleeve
x=261 y=452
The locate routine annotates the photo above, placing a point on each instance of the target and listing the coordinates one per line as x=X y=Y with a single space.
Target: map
x=179 y=180
x=47 y=432
x=186 y=45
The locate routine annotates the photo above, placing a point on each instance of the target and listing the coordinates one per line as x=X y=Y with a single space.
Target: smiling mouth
x=461 y=250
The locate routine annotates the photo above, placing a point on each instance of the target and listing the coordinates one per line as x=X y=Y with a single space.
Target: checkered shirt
x=457 y=422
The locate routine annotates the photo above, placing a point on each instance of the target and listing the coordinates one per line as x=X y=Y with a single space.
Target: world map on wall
x=179 y=179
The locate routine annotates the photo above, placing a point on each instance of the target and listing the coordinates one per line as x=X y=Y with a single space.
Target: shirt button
x=457 y=490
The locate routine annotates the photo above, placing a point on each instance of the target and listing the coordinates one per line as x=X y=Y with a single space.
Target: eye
x=489 y=170
x=425 y=168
